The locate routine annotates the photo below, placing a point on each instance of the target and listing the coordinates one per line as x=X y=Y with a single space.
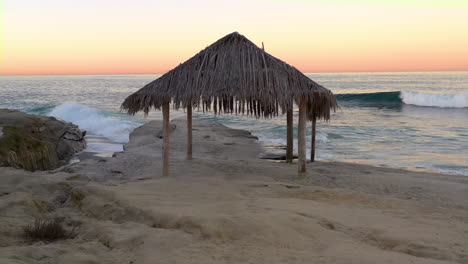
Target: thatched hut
x=235 y=76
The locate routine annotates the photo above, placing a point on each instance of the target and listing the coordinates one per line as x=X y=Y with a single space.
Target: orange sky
x=123 y=36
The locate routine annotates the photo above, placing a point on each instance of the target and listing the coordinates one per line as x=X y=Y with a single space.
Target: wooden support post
x=289 y=136
x=312 y=144
x=166 y=140
x=189 y=131
x=301 y=137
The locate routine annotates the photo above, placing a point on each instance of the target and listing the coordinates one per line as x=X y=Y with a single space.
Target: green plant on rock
x=19 y=147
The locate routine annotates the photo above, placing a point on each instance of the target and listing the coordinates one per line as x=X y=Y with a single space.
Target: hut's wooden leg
x=301 y=137
x=289 y=136
x=312 y=144
x=189 y=131
x=166 y=141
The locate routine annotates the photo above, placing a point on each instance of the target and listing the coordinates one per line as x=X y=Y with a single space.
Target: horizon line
x=306 y=72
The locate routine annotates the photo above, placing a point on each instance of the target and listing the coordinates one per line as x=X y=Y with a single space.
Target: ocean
x=416 y=120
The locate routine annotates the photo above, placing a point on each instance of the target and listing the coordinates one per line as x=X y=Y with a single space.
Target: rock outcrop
x=36 y=142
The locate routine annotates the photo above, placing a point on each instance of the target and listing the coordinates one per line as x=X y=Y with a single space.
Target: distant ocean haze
x=410 y=120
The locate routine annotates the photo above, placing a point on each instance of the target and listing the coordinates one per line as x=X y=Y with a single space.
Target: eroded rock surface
x=34 y=142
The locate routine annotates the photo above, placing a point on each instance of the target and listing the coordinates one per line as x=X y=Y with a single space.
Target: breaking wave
x=407 y=97
x=95 y=121
x=436 y=100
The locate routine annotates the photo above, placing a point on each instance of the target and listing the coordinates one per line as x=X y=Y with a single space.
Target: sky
x=149 y=36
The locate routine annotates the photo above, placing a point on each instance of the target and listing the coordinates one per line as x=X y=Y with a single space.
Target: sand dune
x=229 y=206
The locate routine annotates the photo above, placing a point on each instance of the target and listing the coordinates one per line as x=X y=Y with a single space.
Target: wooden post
x=289 y=136
x=301 y=137
x=189 y=131
x=312 y=144
x=166 y=136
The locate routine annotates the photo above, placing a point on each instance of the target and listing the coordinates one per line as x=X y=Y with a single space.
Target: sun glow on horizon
x=123 y=37
x=415 y=3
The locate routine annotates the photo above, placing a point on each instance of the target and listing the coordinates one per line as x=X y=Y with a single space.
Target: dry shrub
x=47 y=230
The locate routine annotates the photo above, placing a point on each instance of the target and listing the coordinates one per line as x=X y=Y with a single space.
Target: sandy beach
x=229 y=206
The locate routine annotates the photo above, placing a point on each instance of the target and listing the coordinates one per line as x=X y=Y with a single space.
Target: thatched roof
x=233 y=75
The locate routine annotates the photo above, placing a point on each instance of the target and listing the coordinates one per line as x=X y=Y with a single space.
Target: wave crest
x=435 y=100
x=95 y=121
x=406 y=97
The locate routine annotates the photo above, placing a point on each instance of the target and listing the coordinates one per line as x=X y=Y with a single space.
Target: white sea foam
x=436 y=100
x=95 y=121
x=321 y=137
